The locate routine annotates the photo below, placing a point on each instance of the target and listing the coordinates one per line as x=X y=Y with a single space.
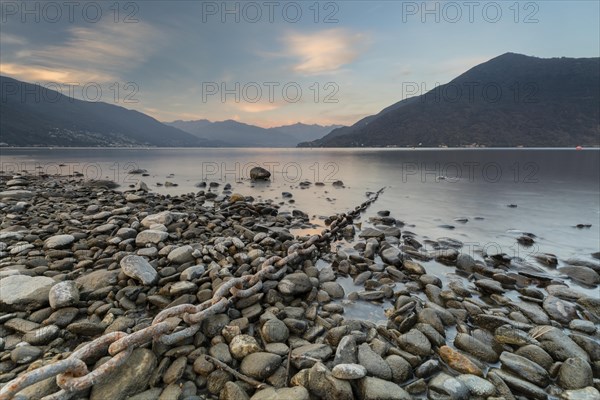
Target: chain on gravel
x=72 y=374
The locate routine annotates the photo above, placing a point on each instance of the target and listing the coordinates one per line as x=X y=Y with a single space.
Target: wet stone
x=575 y=373
x=445 y=386
x=349 y=371
x=260 y=365
x=374 y=364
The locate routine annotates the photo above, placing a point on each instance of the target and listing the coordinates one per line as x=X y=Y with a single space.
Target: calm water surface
x=554 y=189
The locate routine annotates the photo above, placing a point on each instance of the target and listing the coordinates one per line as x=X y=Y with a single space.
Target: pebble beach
x=80 y=260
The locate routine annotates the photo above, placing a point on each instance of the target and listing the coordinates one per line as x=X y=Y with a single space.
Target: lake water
x=553 y=189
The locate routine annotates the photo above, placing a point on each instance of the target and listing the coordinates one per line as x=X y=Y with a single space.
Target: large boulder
x=259 y=174
x=22 y=292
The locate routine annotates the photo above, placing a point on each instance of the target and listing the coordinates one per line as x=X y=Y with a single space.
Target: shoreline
x=292 y=330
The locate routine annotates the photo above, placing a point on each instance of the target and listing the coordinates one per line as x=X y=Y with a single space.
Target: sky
x=273 y=63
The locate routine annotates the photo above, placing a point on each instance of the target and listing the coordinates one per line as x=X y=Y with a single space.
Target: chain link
x=72 y=374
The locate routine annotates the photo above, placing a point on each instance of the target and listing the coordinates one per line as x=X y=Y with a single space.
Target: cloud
x=257 y=107
x=325 y=51
x=99 y=53
x=43 y=74
x=7 y=39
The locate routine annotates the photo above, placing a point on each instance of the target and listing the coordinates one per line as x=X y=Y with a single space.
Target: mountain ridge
x=544 y=103
x=231 y=133
x=69 y=122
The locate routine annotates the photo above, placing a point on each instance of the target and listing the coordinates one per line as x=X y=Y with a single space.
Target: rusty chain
x=72 y=373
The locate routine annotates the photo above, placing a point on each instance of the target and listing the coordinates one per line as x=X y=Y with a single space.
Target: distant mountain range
x=237 y=134
x=511 y=100
x=31 y=115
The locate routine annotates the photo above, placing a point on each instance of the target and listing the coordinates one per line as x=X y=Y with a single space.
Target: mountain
x=32 y=115
x=231 y=133
x=304 y=132
x=511 y=100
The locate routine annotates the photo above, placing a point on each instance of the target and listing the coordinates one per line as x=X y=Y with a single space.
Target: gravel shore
x=81 y=259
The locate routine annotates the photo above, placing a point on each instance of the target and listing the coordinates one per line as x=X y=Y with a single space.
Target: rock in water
x=444 y=386
x=22 y=292
x=138 y=268
x=131 y=378
x=259 y=174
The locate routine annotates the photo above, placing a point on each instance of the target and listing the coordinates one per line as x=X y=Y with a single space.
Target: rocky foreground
x=79 y=260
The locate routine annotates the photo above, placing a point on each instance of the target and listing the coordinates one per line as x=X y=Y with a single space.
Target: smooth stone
x=63 y=294
x=334 y=289
x=130 y=378
x=443 y=386
x=477 y=386
x=322 y=384
x=583 y=326
x=349 y=371
x=97 y=280
x=41 y=336
x=25 y=354
x=581 y=274
x=150 y=236
x=233 y=391
x=560 y=346
x=275 y=330
x=293 y=393
x=22 y=292
x=126 y=233
x=138 y=268
x=259 y=174
x=575 y=373
x=317 y=351
x=164 y=218
x=537 y=355
x=260 y=365
x=221 y=352
x=378 y=389
x=521 y=385
x=374 y=364
x=59 y=241
x=368 y=233
x=475 y=347
x=401 y=369
x=191 y=273
x=525 y=368
x=16 y=194
x=175 y=370
x=588 y=393
x=392 y=256
x=296 y=283
x=346 y=352
x=415 y=342
x=181 y=255
x=560 y=310
x=458 y=361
